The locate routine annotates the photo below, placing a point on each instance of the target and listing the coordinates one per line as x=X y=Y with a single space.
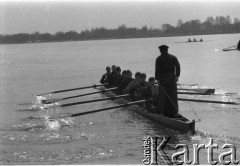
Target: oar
x=208 y=101
x=70 y=97
x=183 y=84
x=66 y=90
x=192 y=93
x=188 y=84
x=108 y=108
x=96 y=100
x=230 y=47
x=199 y=90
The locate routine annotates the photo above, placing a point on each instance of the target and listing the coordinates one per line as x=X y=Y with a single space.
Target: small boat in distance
x=194 y=41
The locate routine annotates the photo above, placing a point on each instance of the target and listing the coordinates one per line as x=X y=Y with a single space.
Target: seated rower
x=153 y=87
x=112 y=74
x=115 y=74
x=124 y=83
x=105 y=76
x=147 y=91
x=137 y=77
x=153 y=92
x=138 y=88
x=119 y=79
x=238 y=46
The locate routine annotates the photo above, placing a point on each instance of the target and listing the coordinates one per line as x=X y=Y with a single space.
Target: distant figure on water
x=201 y=40
x=194 y=40
x=167 y=72
x=238 y=46
x=189 y=40
x=105 y=76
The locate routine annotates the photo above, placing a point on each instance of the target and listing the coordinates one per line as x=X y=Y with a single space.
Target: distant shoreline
x=211 y=26
x=118 y=38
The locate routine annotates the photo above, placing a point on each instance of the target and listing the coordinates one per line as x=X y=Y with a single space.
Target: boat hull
x=181 y=123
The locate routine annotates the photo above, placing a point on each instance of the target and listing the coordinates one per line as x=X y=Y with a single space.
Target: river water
x=27 y=136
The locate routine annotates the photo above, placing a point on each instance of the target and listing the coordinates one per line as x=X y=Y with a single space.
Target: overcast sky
x=51 y=16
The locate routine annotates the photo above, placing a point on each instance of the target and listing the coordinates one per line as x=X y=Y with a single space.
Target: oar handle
x=108 y=108
x=91 y=101
x=209 y=101
x=66 y=90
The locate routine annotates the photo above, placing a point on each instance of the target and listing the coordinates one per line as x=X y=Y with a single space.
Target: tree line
x=218 y=25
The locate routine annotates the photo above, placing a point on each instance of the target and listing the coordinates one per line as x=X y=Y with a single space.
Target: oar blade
x=208 y=101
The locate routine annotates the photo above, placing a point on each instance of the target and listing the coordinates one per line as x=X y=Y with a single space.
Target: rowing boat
x=194 y=41
x=180 y=123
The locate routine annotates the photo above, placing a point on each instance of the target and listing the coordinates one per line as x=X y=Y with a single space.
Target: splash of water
x=52 y=125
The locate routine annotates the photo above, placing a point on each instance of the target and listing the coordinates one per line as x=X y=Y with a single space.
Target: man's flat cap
x=163 y=47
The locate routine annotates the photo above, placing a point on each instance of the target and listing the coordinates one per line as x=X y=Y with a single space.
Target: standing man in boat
x=167 y=72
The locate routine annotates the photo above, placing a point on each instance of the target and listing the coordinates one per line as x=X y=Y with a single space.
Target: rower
x=238 y=46
x=189 y=40
x=138 y=88
x=124 y=83
x=137 y=78
x=119 y=79
x=152 y=86
x=194 y=40
x=105 y=76
x=201 y=40
x=114 y=74
x=147 y=91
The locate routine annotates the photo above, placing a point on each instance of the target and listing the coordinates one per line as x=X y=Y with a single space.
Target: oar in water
x=209 y=91
x=66 y=90
x=108 y=108
x=70 y=97
x=92 y=101
x=209 y=101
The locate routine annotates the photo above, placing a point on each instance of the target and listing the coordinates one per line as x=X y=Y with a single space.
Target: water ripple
x=204 y=137
x=46 y=138
x=72 y=155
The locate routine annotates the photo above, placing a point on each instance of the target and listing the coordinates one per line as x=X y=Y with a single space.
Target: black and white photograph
x=119 y=82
